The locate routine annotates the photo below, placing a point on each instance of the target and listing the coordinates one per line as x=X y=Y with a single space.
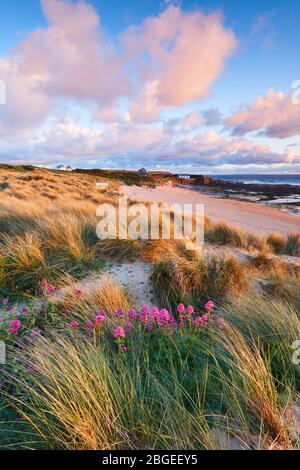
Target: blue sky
x=261 y=55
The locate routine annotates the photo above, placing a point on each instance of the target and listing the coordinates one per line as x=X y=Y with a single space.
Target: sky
x=208 y=87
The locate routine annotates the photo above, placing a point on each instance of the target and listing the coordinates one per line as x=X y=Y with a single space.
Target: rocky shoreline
x=283 y=196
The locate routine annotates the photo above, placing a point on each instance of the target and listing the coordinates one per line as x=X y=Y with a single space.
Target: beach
x=252 y=217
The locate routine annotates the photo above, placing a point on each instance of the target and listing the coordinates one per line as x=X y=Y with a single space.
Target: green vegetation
x=88 y=369
x=197 y=281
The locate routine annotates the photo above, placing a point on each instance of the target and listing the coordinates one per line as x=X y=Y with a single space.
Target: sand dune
x=252 y=217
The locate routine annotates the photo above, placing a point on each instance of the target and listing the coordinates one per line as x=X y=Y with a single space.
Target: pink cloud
x=128 y=143
x=180 y=56
x=169 y=60
x=274 y=115
x=71 y=58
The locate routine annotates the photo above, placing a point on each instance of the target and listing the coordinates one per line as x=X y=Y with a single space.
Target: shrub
x=276 y=242
x=292 y=247
x=225 y=234
x=196 y=281
x=285 y=286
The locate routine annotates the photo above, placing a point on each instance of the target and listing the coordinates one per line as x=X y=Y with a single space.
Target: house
x=184 y=177
x=64 y=168
x=143 y=173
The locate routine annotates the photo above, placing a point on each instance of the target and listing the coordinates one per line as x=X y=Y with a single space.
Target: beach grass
x=199 y=280
x=204 y=389
x=225 y=382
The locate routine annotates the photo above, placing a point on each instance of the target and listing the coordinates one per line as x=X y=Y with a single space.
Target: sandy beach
x=251 y=217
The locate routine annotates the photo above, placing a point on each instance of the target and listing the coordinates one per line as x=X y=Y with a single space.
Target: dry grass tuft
x=22 y=261
x=285 y=286
x=292 y=247
x=276 y=242
x=196 y=281
x=226 y=234
x=250 y=385
x=121 y=250
x=266 y=263
x=105 y=295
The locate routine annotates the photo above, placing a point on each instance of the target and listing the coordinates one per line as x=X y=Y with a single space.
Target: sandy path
x=133 y=277
x=251 y=217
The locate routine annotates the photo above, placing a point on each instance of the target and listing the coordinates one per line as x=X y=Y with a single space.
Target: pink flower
x=50 y=289
x=210 y=306
x=100 y=318
x=5 y=301
x=181 y=308
x=145 y=310
x=119 y=333
x=190 y=310
x=25 y=310
x=79 y=293
x=199 y=322
x=155 y=311
x=90 y=325
x=74 y=324
x=128 y=326
x=132 y=314
x=120 y=313
x=144 y=319
x=163 y=317
x=14 y=327
x=10 y=309
x=123 y=349
x=28 y=292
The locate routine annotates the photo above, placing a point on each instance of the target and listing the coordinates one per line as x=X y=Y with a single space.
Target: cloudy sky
x=196 y=86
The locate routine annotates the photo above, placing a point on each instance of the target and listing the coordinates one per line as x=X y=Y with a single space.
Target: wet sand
x=251 y=217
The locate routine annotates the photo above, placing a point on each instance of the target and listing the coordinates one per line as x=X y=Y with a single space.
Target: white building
x=184 y=177
x=64 y=168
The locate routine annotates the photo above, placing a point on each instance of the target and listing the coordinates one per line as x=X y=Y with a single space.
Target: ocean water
x=293 y=179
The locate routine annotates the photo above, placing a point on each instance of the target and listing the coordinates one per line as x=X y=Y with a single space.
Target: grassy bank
x=88 y=369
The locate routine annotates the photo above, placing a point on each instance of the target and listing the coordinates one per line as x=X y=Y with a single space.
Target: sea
x=292 y=179
x=289 y=203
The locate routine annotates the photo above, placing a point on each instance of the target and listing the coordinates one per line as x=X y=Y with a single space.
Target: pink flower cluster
x=119 y=333
x=14 y=327
x=151 y=319
x=92 y=325
x=48 y=288
x=100 y=319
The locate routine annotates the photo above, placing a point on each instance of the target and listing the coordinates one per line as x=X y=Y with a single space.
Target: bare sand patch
x=251 y=217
